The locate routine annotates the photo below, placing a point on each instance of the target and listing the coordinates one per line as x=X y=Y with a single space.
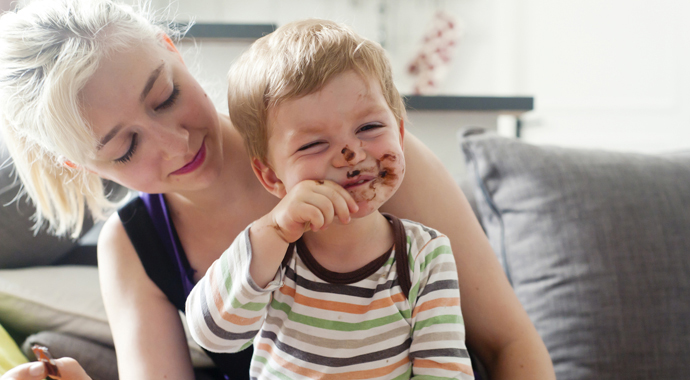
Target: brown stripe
x=337 y=343
x=336 y=277
x=313 y=374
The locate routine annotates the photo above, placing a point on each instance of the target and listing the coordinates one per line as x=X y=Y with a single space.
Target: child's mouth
x=357 y=183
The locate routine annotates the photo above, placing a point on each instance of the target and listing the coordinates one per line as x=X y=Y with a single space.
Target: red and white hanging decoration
x=430 y=65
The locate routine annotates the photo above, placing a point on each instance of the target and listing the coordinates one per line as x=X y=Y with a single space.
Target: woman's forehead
x=122 y=81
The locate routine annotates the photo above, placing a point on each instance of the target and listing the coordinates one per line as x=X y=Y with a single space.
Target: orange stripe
x=424 y=247
x=220 y=305
x=341 y=306
x=457 y=367
x=438 y=302
x=313 y=374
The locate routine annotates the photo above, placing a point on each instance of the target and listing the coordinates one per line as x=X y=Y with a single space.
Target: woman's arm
x=147 y=330
x=498 y=329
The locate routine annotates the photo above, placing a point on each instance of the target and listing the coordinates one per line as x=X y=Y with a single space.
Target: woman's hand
x=69 y=370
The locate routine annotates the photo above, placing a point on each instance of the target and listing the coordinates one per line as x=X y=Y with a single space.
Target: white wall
x=605 y=74
x=610 y=74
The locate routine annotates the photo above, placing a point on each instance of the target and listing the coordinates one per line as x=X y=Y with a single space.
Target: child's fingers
x=324 y=206
x=342 y=201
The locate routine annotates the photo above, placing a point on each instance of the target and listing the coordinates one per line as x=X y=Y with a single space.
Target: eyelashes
x=170 y=101
x=368 y=127
x=310 y=145
x=130 y=151
x=371 y=127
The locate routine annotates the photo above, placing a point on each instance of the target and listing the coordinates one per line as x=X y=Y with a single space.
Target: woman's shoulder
x=113 y=240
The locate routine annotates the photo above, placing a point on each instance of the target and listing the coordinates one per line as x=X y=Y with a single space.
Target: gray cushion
x=18 y=245
x=597 y=247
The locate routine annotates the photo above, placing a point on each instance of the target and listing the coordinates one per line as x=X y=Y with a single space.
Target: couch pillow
x=596 y=247
x=63 y=299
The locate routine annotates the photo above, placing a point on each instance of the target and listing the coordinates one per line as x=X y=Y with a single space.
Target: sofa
x=596 y=245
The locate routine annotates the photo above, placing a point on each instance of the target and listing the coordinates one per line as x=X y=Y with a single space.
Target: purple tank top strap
x=158 y=211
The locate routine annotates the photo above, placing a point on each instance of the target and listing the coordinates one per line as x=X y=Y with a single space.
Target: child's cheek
x=390 y=170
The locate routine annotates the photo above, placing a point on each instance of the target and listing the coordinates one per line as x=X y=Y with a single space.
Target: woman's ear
x=170 y=45
x=268 y=178
x=69 y=164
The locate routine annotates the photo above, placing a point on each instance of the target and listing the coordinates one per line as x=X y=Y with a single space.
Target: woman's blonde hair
x=296 y=60
x=48 y=51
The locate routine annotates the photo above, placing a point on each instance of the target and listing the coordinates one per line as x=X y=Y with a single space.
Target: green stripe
x=270 y=369
x=442 y=250
x=437 y=320
x=334 y=325
x=236 y=304
x=428 y=377
x=251 y=341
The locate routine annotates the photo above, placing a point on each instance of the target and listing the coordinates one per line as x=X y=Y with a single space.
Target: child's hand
x=311 y=205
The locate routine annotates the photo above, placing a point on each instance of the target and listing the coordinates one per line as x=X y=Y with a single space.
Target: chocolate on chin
x=43 y=355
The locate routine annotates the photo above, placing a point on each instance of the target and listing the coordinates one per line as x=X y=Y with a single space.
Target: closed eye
x=310 y=145
x=130 y=152
x=369 y=127
x=170 y=101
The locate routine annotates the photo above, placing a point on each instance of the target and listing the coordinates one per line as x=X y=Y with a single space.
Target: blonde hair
x=298 y=59
x=48 y=51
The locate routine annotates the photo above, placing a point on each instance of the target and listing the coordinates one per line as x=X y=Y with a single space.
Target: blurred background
x=608 y=74
x=602 y=74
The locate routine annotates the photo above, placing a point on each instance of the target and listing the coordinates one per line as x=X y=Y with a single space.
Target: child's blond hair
x=297 y=60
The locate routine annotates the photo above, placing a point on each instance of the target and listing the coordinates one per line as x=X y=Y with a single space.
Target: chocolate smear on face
x=347 y=154
x=353 y=173
x=320 y=181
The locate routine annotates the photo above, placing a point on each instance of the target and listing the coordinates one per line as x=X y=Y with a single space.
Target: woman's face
x=156 y=128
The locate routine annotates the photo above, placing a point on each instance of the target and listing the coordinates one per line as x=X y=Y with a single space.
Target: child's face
x=346 y=133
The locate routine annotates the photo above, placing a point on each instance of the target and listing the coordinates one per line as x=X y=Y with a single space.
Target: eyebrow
x=144 y=93
x=152 y=79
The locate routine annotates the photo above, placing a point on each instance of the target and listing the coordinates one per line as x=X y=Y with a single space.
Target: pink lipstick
x=194 y=163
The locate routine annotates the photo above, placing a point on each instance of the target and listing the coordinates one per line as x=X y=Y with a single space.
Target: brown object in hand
x=43 y=355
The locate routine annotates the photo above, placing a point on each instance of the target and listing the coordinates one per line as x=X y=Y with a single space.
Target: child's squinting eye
x=310 y=145
x=369 y=127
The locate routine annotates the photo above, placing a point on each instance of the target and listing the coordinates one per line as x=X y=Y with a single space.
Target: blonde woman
x=93 y=90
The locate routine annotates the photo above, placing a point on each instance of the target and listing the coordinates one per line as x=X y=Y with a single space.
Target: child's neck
x=345 y=248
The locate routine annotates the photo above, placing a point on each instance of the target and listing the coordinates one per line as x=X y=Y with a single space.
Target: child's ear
x=402 y=131
x=268 y=178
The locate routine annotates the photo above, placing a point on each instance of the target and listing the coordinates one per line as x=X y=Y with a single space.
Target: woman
x=92 y=90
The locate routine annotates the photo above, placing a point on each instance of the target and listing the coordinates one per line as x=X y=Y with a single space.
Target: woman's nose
x=349 y=155
x=173 y=141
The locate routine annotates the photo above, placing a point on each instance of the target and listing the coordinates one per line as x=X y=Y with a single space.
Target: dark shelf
x=469 y=103
x=240 y=31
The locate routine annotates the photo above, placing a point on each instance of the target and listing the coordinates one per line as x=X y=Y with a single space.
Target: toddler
x=325 y=285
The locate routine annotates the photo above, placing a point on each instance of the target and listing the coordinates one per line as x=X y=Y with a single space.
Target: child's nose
x=349 y=156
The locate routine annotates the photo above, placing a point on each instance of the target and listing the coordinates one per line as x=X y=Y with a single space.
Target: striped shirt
x=313 y=323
